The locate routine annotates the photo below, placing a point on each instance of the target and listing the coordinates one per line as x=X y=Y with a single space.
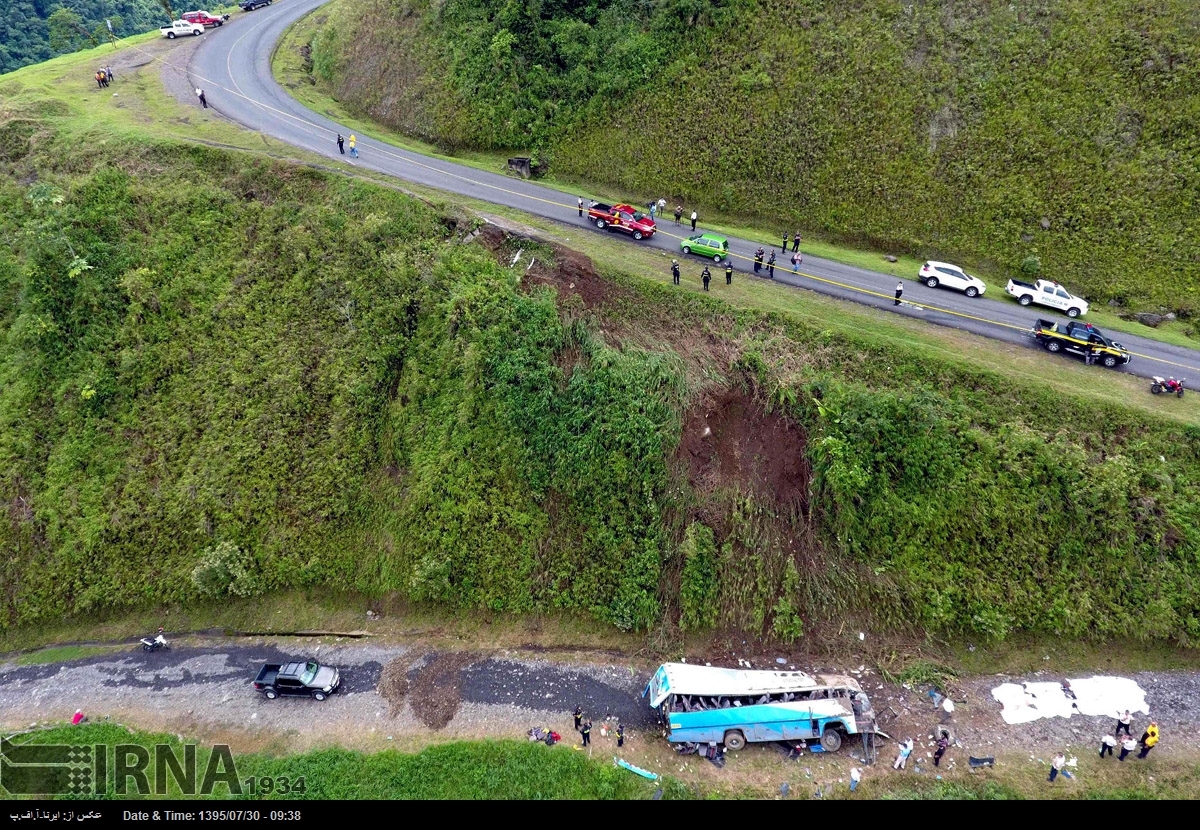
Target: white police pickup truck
x=180 y=28
x=1047 y=293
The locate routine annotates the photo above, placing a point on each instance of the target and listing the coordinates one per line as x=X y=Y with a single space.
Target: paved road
x=233 y=66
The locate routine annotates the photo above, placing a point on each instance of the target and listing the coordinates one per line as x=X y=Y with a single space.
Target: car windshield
x=638 y=215
x=310 y=673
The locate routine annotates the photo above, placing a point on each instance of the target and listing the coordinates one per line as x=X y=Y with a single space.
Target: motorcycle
x=159 y=642
x=1170 y=386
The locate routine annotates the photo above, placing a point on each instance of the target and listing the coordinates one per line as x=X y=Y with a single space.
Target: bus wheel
x=734 y=740
x=831 y=741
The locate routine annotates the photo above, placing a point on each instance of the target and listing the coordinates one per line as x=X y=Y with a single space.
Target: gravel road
x=210 y=687
x=431 y=695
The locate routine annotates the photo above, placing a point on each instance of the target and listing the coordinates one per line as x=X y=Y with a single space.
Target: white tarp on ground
x=1095 y=696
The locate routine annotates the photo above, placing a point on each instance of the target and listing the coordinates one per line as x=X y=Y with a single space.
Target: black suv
x=299 y=679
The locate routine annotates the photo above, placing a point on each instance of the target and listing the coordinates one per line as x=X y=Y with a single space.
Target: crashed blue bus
x=700 y=704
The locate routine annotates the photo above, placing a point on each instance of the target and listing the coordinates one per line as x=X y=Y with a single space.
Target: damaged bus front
x=699 y=704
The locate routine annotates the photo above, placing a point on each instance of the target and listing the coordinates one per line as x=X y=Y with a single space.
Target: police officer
x=586 y=732
x=771 y=266
x=620 y=735
x=675 y=270
x=899 y=291
x=706 y=276
x=578 y=715
x=783 y=245
x=728 y=272
x=758 y=258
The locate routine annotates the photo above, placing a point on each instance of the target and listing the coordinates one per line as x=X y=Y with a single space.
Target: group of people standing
x=104 y=77
x=1148 y=740
x=705 y=275
x=584 y=728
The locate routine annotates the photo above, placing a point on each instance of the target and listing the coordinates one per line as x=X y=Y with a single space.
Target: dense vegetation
x=277 y=377
x=1051 y=137
x=31 y=31
x=517 y=770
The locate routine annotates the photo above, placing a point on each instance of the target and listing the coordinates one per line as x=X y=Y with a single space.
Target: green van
x=706 y=245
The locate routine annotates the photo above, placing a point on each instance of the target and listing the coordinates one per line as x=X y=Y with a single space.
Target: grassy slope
x=462 y=770
x=447 y=457
x=932 y=129
x=525 y=771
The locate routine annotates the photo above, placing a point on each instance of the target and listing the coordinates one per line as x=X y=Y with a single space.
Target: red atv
x=1170 y=386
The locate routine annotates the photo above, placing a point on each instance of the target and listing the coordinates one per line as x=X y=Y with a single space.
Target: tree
x=67 y=33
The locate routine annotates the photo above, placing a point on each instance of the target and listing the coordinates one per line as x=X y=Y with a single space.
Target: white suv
x=934 y=274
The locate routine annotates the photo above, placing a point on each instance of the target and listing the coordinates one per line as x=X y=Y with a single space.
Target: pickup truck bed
x=1081 y=339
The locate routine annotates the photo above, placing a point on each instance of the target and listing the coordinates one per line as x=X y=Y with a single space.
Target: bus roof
x=686 y=679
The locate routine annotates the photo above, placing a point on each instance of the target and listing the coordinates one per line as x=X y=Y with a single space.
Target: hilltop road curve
x=233 y=65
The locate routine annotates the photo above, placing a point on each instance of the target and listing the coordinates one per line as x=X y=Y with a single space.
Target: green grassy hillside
x=1051 y=137
x=224 y=375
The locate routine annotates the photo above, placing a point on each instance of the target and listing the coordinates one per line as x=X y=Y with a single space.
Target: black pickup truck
x=1082 y=339
x=251 y=5
x=300 y=679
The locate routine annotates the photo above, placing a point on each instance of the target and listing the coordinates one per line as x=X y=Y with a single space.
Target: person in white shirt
x=906 y=749
x=947 y=709
x=1056 y=766
x=1127 y=746
x=855 y=777
x=1123 y=722
x=1106 y=745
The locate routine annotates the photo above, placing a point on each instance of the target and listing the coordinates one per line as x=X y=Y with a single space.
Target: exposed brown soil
x=393 y=682
x=732 y=440
x=571 y=273
x=434 y=693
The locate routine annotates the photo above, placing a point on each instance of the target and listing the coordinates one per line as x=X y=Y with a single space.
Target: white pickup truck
x=1047 y=293
x=180 y=28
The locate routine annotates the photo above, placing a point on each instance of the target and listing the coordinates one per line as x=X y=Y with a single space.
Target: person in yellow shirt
x=353 y=146
x=1149 y=739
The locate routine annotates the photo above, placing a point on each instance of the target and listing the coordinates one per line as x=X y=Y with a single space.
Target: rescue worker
x=783 y=246
x=729 y=273
x=771 y=266
x=706 y=276
x=758 y=259
x=353 y=145
x=586 y=732
x=1149 y=739
x=578 y=715
x=1107 y=744
x=1127 y=746
x=675 y=271
x=620 y=735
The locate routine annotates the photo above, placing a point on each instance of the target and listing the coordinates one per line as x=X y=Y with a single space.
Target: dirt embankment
x=730 y=440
